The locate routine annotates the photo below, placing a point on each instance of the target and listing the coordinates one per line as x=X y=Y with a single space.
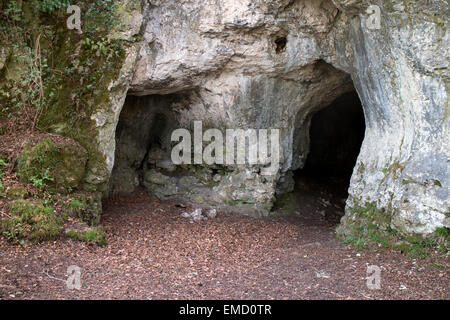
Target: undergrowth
x=373 y=230
x=45 y=63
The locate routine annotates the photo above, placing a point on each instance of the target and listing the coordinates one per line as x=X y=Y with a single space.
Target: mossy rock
x=16 y=193
x=31 y=220
x=59 y=167
x=369 y=227
x=87 y=208
x=93 y=235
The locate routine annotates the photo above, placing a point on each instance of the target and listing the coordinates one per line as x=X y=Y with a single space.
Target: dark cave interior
x=336 y=135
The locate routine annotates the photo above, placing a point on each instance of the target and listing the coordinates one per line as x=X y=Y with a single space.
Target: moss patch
x=92 y=235
x=34 y=221
x=17 y=192
x=87 y=208
x=286 y=204
x=369 y=227
x=58 y=167
x=370 y=214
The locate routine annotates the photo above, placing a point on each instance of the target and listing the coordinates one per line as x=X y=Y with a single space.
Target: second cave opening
x=335 y=137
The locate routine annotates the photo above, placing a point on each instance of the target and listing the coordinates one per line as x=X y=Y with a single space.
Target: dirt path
x=154 y=253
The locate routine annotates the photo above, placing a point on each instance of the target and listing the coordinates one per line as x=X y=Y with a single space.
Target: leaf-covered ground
x=155 y=253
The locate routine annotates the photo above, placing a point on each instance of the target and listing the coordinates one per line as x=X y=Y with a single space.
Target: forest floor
x=155 y=253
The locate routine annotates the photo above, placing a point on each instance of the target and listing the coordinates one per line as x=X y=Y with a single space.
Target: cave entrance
x=143 y=138
x=335 y=137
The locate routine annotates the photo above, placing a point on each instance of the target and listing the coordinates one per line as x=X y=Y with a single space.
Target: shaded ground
x=314 y=199
x=154 y=253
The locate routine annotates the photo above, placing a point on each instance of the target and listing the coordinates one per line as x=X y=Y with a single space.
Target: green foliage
x=101 y=18
x=28 y=90
x=75 y=204
x=11 y=15
x=38 y=49
x=92 y=235
x=102 y=47
x=39 y=181
x=57 y=77
x=369 y=214
x=13 y=11
x=358 y=242
x=31 y=220
x=443 y=231
x=78 y=86
x=48 y=6
x=2 y=164
x=418 y=247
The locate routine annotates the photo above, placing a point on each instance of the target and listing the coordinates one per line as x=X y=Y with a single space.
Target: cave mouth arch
x=328 y=137
x=143 y=138
x=321 y=185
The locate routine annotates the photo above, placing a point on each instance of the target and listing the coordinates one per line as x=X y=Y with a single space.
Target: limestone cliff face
x=272 y=64
x=240 y=64
x=401 y=74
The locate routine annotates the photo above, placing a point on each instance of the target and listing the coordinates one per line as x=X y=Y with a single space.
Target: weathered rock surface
x=401 y=74
x=246 y=66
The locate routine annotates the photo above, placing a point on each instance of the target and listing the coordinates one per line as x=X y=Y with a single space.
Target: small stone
x=322 y=274
x=212 y=213
x=167 y=165
x=186 y=215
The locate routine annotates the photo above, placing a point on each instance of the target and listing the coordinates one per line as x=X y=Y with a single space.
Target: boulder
x=56 y=166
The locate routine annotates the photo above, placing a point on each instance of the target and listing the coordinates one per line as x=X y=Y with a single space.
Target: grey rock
x=186 y=215
x=222 y=65
x=211 y=213
x=166 y=165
